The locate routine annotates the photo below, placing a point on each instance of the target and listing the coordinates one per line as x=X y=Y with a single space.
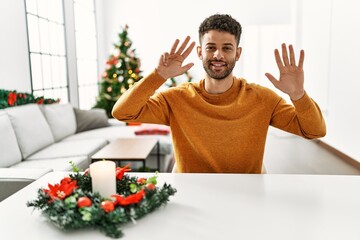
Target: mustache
x=217 y=61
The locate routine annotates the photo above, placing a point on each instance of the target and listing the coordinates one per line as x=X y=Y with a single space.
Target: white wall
x=14 y=60
x=330 y=34
x=344 y=78
x=155 y=25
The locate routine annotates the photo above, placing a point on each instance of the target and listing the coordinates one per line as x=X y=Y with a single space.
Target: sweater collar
x=221 y=98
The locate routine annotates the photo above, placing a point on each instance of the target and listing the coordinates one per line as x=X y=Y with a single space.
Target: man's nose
x=218 y=54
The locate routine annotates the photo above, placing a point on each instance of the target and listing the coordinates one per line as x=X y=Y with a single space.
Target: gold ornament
x=114 y=75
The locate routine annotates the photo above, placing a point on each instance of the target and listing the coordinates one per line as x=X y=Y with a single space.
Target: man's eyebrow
x=228 y=44
x=225 y=44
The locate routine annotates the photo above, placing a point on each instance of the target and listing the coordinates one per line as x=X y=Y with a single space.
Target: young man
x=219 y=125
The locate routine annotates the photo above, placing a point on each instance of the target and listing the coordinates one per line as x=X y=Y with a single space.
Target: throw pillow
x=61 y=119
x=31 y=128
x=9 y=149
x=90 y=119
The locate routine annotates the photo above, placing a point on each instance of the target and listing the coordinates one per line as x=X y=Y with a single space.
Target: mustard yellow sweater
x=222 y=133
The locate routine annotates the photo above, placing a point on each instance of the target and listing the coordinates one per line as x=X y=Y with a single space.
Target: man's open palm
x=291 y=80
x=170 y=64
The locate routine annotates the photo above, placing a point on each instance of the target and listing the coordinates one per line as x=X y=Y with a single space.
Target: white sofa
x=36 y=139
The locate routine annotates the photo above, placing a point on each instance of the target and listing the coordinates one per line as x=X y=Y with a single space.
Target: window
x=46 y=31
x=86 y=52
x=48 y=55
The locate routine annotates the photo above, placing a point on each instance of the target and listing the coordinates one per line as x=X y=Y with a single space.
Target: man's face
x=218 y=52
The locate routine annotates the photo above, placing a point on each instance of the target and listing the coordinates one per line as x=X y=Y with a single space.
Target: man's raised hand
x=170 y=64
x=291 y=80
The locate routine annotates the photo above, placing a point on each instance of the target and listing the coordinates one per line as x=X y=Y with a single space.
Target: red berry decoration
x=84 y=202
x=150 y=186
x=107 y=206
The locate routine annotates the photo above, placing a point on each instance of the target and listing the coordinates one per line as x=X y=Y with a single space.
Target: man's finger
x=174 y=46
x=188 y=50
x=182 y=47
x=272 y=79
x=277 y=59
x=187 y=66
x=285 y=55
x=165 y=57
x=301 y=60
x=292 y=55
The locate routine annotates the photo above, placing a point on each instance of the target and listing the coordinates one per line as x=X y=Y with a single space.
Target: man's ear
x=199 y=52
x=238 y=53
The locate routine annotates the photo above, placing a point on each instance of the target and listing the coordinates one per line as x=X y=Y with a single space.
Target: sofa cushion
x=114 y=132
x=31 y=128
x=107 y=133
x=22 y=174
x=90 y=119
x=9 y=148
x=61 y=119
x=70 y=149
x=56 y=164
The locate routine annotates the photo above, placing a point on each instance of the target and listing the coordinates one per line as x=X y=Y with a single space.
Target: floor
x=289 y=154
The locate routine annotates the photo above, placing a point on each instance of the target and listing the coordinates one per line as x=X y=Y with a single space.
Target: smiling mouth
x=217 y=65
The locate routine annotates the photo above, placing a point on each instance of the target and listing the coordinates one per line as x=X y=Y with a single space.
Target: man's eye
x=227 y=49
x=210 y=49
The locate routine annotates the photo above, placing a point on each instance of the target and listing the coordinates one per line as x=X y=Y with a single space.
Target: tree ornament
x=84 y=202
x=107 y=206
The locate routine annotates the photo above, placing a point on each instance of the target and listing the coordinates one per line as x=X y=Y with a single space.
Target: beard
x=218 y=75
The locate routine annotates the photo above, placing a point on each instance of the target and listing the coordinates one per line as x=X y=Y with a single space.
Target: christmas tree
x=122 y=71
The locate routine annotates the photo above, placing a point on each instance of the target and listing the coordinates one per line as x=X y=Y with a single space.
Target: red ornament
x=84 y=202
x=112 y=61
x=150 y=186
x=12 y=98
x=107 y=206
x=40 y=101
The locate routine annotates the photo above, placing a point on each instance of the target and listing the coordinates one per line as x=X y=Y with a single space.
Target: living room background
x=325 y=29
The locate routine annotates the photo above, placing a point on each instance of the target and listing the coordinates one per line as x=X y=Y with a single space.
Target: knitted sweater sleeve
x=141 y=104
x=304 y=120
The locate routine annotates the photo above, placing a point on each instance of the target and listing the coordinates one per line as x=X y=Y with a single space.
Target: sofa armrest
x=13 y=179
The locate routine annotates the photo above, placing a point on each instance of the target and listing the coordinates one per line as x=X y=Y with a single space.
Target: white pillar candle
x=103 y=178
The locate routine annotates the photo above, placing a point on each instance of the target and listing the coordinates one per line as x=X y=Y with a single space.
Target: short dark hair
x=221 y=22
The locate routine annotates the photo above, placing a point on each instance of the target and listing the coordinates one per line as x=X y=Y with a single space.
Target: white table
x=218 y=206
